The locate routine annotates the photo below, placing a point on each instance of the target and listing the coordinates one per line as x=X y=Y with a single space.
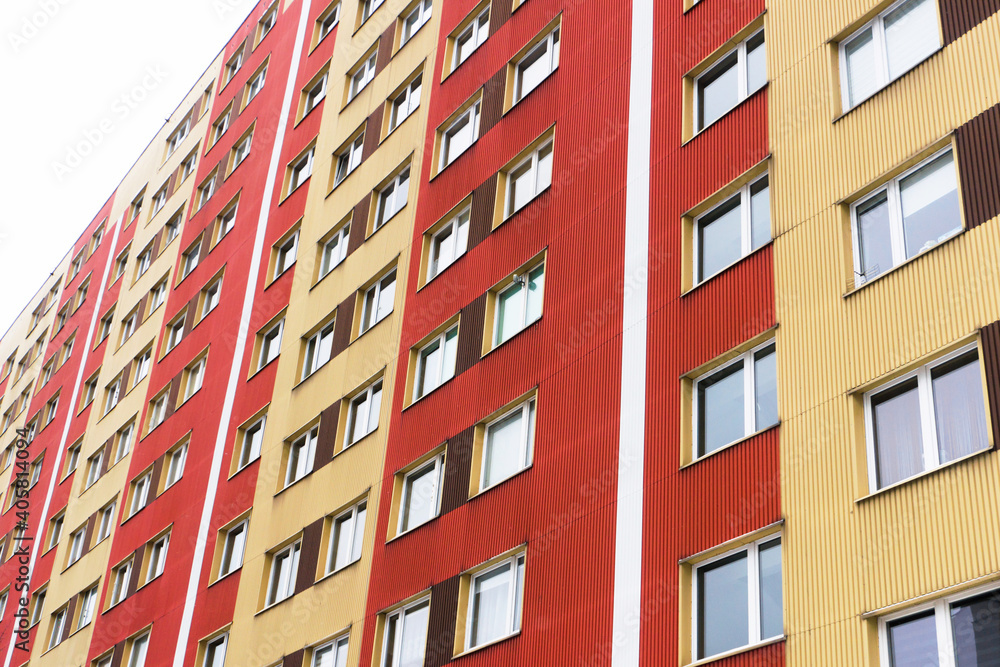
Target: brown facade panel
x=125 y=376
x=457 y=469
x=342 y=327
x=499 y=14
x=172 y=183
x=385 y=42
x=326 y=440
x=978 y=145
x=89 y=534
x=991 y=364
x=118 y=654
x=293 y=659
x=960 y=16
x=493 y=94
x=156 y=245
x=141 y=308
x=154 y=479
x=133 y=581
x=312 y=535
x=359 y=224
x=470 y=335
x=175 y=390
x=191 y=309
x=481 y=216
x=68 y=625
x=109 y=448
x=441 y=624
x=206 y=245
x=373 y=132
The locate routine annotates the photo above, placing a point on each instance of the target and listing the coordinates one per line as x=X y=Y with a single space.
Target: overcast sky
x=69 y=68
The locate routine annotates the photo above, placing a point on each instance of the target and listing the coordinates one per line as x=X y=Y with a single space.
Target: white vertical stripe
x=631 y=447
x=241 y=342
x=43 y=519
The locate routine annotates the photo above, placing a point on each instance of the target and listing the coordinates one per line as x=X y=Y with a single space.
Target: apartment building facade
x=463 y=332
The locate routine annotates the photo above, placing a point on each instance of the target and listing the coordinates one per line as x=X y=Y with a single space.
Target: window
x=253 y=435
x=349 y=158
x=733 y=229
x=210 y=298
x=421 y=498
x=347 y=537
x=301 y=453
x=315 y=94
x=50 y=410
x=529 y=178
x=270 y=345
x=733 y=78
x=72 y=458
x=157 y=558
x=123 y=444
x=142 y=262
x=413 y=21
x=63 y=316
x=737 y=400
x=404 y=639
x=495 y=602
x=471 y=38
x=76 y=542
x=508 y=445
x=36 y=471
x=94 y=464
x=737 y=599
x=362 y=75
x=301 y=170
x=909 y=215
x=220 y=126
x=267 y=23
x=953 y=632
x=140 y=493
x=128 y=326
x=175 y=465
x=136 y=207
x=175 y=332
x=58 y=625
x=368 y=8
x=436 y=362
x=74 y=269
x=103 y=661
x=36 y=608
x=119 y=582
x=241 y=151
x=378 y=302
x=536 y=65
x=159 y=200
x=926 y=419
x=215 y=651
x=319 y=346
x=335 y=250
x=234 y=65
x=363 y=413
x=405 y=103
x=392 y=198
x=137 y=656
x=177 y=136
x=190 y=259
x=107 y=520
x=256 y=85
x=187 y=168
x=460 y=135
x=519 y=304
x=232 y=549
x=157 y=411
x=3 y=603
x=195 y=378
x=88 y=601
x=157 y=295
x=448 y=243
x=333 y=654
x=887 y=47
x=55 y=530
x=285 y=254
x=284 y=568
x=111 y=394
x=327 y=21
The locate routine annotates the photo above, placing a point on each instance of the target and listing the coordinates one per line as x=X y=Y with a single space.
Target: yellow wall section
x=846 y=555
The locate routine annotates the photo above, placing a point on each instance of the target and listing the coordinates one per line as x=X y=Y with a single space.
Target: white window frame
x=267 y=22
x=220 y=126
x=525 y=323
x=118 y=589
x=241 y=151
x=177 y=136
x=750 y=426
x=535 y=160
x=746 y=227
x=335 y=249
x=229 y=562
x=56 y=529
x=892 y=191
x=76 y=541
x=278 y=591
x=195 y=378
x=335 y=648
x=217 y=644
x=157 y=295
x=437 y=464
x=142 y=262
x=190 y=259
x=140 y=493
x=301 y=170
x=753 y=597
x=478 y=31
x=352 y=513
x=349 y=159
x=515 y=599
x=387 y=198
x=303 y=448
x=314 y=360
x=454 y=225
x=526 y=441
x=316 y=94
x=271 y=343
x=175 y=466
x=401 y=614
x=94 y=464
x=368 y=8
x=743 y=91
x=406 y=102
x=249 y=449
x=159 y=200
x=175 y=333
x=123 y=443
x=362 y=398
x=286 y=254
x=548 y=43
x=107 y=522
x=157 y=557
x=469 y=116
x=328 y=21
x=362 y=75
x=157 y=411
x=138 y=651
x=369 y=317
x=928 y=418
x=88 y=603
x=227 y=220
x=233 y=65
x=422 y=12
x=212 y=297
x=421 y=367
x=58 y=625
x=256 y=85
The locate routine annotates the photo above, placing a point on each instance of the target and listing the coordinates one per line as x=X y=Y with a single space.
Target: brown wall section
x=493 y=93
x=470 y=335
x=978 y=147
x=991 y=364
x=458 y=467
x=961 y=16
x=441 y=625
x=481 y=215
x=309 y=556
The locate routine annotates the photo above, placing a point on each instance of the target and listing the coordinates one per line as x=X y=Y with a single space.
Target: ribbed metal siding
x=978 y=145
x=961 y=16
x=991 y=363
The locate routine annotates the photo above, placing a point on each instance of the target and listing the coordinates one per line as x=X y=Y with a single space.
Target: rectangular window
x=140 y=493
x=157 y=558
x=256 y=85
x=119 y=582
x=220 y=126
x=136 y=207
x=142 y=262
x=471 y=38
x=94 y=468
x=175 y=332
x=89 y=391
x=301 y=170
x=736 y=76
x=107 y=521
x=227 y=220
x=36 y=607
x=405 y=103
x=436 y=362
x=252 y=438
x=58 y=625
x=887 y=47
x=88 y=602
x=76 y=542
x=270 y=346
x=195 y=378
x=421 y=499
x=404 y=638
x=55 y=530
x=536 y=65
x=519 y=304
x=315 y=94
x=123 y=441
x=215 y=651
x=318 y=348
x=159 y=200
x=528 y=178
x=187 y=167
x=733 y=229
x=347 y=537
x=926 y=419
x=301 y=455
x=177 y=136
x=448 y=243
x=72 y=458
x=737 y=400
x=349 y=158
x=285 y=254
x=234 y=65
x=459 y=136
x=737 y=599
x=210 y=298
x=284 y=569
x=232 y=549
x=495 y=600
x=157 y=295
x=413 y=21
x=267 y=23
x=508 y=445
x=241 y=151
x=335 y=249
x=368 y=8
x=363 y=413
x=909 y=215
x=157 y=411
x=361 y=75
x=190 y=258
x=175 y=466
x=327 y=22
x=137 y=654
x=333 y=654
x=392 y=198
x=378 y=301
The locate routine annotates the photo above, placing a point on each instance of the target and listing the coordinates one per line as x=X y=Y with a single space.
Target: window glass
x=723 y=599
x=958 y=408
x=420 y=493
x=913 y=641
x=875 y=236
x=760 y=213
x=897 y=431
x=975 y=626
x=862 y=76
x=490 y=598
x=911 y=34
x=719 y=242
x=718 y=91
x=929 y=202
x=766 y=381
x=771 y=614
x=721 y=416
x=508 y=445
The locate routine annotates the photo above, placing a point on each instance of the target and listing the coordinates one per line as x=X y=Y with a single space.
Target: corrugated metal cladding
x=561 y=507
x=978 y=144
x=961 y=16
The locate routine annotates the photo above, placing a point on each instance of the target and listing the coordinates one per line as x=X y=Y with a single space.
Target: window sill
x=475 y=649
x=334 y=573
x=926 y=473
x=225 y=576
x=293 y=191
x=726 y=268
x=724 y=448
x=244 y=467
x=736 y=651
x=399 y=536
x=440 y=170
x=960 y=233
x=725 y=115
x=520 y=472
x=415 y=401
x=527 y=326
x=293 y=483
x=309 y=112
x=514 y=103
x=509 y=216
x=273 y=605
x=887 y=86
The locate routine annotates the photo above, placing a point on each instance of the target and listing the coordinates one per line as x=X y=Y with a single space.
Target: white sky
x=65 y=66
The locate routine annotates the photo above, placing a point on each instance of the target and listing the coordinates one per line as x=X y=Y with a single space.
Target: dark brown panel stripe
x=175 y=390
x=293 y=659
x=106 y=460
x=133 y=581
x=141 y=309
x=499 y=14
x=457 y=469
x=385 y=42
x=991 y=363
x=978 y=143
x=481 y=216
x=470 y=335
x=125 y=375
x=373 y=132
x=492 y=109
x=172 y=182
x=191 y=309
x=196 y=111
x=342 y=327
x=89 y=534
x=326 y=440
x=119 y=653
x=359 y=224
x=206 y=245
x=960 y=16
x=441 y=624
x=309 y=555
x=154 y=478
x=68 y=625
x=156 y=245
